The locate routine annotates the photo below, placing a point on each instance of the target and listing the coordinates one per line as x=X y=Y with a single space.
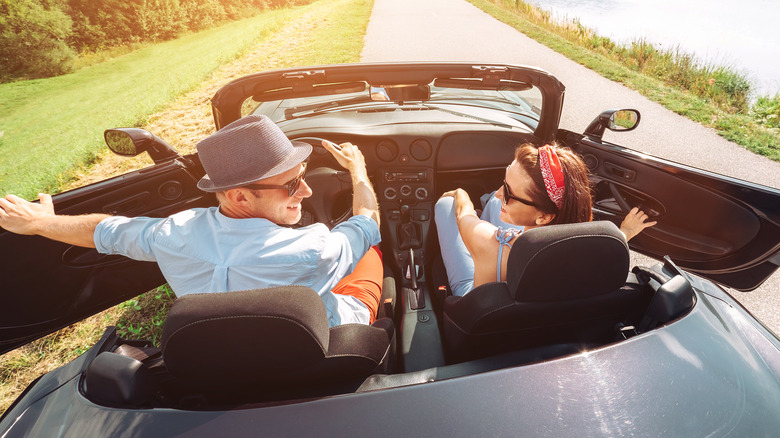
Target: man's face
x=275 y=204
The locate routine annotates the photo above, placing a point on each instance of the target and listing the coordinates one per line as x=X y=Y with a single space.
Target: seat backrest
x=565 y=284
x=249 y=341
x=567 y=262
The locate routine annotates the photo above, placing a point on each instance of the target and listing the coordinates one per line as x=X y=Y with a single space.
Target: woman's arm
x=478 y=237
x=634 y=223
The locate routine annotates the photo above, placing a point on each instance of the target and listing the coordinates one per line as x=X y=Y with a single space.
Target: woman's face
x=517 y=205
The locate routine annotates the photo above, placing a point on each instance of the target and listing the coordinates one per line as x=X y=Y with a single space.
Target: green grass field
x=51 y=125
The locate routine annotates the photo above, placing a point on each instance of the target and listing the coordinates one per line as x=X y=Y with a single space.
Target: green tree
x=160 y=19
x=33 y=39
x=98 y=24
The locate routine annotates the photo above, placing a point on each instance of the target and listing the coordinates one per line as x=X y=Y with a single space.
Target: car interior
x=570 y=288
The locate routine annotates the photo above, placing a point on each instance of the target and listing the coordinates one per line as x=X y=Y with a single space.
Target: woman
x=543 y=186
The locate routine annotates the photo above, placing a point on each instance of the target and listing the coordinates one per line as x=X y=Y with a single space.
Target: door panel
x=48 y=285
x=719 y=227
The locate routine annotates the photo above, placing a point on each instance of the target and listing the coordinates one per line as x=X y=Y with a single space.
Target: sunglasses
x=291 y=186
x=509 y=195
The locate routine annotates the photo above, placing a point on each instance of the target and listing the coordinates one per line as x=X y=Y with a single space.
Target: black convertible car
x=577 y=342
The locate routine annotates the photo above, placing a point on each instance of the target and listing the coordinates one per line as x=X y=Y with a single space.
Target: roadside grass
x=51 y=125
x=713 y=96
x=325 y=32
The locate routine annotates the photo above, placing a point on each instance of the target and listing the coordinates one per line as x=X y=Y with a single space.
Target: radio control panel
x=408 y=184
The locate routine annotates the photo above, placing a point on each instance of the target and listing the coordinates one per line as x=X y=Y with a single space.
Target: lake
x=741 y=35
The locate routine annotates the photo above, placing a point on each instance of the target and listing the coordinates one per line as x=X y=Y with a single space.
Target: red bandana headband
x=552 y=173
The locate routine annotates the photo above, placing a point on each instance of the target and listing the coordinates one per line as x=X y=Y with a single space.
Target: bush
x=102 y=24
x=202 y=14
x=33 y=39
x=735 y=86
x=160 y=20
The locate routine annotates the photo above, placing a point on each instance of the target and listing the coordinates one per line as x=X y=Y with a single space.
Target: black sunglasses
x=509 y=195
x=291 y=186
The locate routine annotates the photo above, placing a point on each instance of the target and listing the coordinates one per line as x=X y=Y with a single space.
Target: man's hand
x=364 y=200
x=348 y=155
x=22 y=217
x=634 y=223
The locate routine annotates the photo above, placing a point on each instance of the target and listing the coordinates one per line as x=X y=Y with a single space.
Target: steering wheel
x=328 y=185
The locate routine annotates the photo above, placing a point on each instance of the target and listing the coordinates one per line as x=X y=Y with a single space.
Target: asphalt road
x=455 y=30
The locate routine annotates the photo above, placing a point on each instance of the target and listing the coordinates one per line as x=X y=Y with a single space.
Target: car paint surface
x=667 y=382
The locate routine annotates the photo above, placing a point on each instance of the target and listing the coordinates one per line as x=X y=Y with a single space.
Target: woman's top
x=504 y=237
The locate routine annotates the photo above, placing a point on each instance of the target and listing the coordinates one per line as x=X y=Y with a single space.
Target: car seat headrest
x=567 y=262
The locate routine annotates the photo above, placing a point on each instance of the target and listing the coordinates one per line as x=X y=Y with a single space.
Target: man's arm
x=364 y=200
x=23 y=217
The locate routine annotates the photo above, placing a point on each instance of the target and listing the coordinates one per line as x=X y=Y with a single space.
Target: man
x=257 y=176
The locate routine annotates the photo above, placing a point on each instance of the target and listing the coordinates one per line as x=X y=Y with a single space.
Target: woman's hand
x=634 y=223
x=450 y=194
x=462 y=203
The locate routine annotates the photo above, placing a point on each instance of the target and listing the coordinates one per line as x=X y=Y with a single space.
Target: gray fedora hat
x=250 y=149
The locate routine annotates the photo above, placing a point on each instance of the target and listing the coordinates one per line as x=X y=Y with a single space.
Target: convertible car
x=576 y=342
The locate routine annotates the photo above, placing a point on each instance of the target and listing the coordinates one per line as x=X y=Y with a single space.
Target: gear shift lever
x=408 y=231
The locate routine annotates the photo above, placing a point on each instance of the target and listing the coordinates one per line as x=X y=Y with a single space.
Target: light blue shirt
x=202 y=250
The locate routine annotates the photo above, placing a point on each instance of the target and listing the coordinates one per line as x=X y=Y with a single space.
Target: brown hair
x=577 y=202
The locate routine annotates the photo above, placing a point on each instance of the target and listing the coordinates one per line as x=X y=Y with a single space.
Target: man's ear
x=236 y=196
x=544 y=219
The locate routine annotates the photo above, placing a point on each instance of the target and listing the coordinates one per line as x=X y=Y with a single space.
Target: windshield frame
x=303 y=82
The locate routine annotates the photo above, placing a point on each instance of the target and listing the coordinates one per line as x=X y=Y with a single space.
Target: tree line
x=42 y=38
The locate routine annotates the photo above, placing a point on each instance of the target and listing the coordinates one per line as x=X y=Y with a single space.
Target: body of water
x=742 y=35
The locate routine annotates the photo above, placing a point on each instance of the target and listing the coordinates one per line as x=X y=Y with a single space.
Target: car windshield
x=520 y=108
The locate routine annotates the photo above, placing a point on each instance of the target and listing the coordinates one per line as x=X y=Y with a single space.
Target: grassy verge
x=712 y=96
x=325 y=32
x=52 y=124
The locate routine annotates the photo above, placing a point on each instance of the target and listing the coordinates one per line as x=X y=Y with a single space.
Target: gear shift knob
x=405 y=218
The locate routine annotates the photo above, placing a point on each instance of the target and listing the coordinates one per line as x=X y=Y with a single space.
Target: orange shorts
x=365 y=282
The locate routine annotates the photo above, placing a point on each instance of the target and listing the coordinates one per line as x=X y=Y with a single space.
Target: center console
x=406 y=198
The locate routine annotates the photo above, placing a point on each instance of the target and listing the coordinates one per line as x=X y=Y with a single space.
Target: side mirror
x=130 y=142
x=615 y=120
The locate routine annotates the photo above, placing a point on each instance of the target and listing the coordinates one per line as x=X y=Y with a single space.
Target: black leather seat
x=259 y=342
x=566 y=284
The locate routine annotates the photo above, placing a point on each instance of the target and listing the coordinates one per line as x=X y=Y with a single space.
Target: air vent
x=387 y=150
x=421 y=150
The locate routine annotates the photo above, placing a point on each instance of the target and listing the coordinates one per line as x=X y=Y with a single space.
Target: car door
x=47 y=285
x=721 y=228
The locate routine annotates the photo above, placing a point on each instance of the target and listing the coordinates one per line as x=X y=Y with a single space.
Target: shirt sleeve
x=361 y=233
x=130 y=237
x=344 y=246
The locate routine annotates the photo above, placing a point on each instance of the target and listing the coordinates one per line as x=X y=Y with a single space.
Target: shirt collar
x=230 y=222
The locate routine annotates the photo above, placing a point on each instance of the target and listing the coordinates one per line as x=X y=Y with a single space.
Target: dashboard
x=411 y=165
